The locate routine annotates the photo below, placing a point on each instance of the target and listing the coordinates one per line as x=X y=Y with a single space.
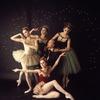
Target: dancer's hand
x=35 y=29
x=56 y=50
x=15 y=70
x=62 y=54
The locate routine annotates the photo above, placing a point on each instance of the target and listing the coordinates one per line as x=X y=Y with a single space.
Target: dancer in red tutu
x=44 y=89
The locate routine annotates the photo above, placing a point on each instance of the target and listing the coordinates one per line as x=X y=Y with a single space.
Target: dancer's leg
x=51 y=94
x=19 y=79
x=47 y=87
x=28 y=80
x=65 y=81
x=20 y=75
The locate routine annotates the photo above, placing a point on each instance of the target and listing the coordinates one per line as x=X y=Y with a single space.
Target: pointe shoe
x=68 y=96
x=27 y=91
x=18 y=82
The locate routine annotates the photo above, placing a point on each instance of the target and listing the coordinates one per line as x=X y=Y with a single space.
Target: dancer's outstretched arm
x=56 y=62
x=26 y=70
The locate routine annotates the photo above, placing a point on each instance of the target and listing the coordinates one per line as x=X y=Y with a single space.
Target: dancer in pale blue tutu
x=69 y=63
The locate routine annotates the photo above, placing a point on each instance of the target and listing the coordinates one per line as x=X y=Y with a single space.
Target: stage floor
x=83 y=86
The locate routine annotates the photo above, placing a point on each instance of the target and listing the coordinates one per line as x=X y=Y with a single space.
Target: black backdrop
x=84 y=16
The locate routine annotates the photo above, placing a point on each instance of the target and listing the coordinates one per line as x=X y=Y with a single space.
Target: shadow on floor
x=83 y=86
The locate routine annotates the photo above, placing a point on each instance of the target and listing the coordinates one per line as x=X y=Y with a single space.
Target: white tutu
x=26 y=59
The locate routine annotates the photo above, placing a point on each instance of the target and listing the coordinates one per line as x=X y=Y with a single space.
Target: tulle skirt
x=38 y=88
x=26 y=59
x=69 y=63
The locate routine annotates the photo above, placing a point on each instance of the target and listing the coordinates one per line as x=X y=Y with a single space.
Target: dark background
x=85 y=18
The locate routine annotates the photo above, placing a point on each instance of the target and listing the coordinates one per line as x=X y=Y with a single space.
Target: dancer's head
x=25 y=31
x=43 y=62
x=44 y=30
x=67 y=27
x=51 y=43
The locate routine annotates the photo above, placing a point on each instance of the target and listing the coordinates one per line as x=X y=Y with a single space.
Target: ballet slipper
x=18 y=82
x=29 y=90
x=68 y=96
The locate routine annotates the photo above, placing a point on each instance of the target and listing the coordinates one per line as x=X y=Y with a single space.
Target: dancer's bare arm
x=33 y=29
x=17 y=38
x=35 y=37
x=26 y=70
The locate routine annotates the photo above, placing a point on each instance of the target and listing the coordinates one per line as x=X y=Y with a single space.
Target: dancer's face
x=66 y=30
x=43 y=31
x=26 y=33
x=43 y=64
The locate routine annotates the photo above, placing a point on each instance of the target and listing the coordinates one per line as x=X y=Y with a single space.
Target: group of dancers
x=54 y=55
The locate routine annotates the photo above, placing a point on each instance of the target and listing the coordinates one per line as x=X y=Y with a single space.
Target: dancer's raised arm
x=33 y=29
x=15 y=37
x=56 y=62
x=34 y=36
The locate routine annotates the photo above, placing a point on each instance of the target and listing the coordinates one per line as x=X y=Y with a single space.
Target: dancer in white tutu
x=28 y=56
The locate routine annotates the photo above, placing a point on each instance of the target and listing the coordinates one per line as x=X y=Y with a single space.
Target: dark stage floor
x=83 y=86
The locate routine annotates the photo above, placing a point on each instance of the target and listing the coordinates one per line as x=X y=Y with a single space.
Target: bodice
x=42 y=78
x=27 y=49
x=59 y=43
